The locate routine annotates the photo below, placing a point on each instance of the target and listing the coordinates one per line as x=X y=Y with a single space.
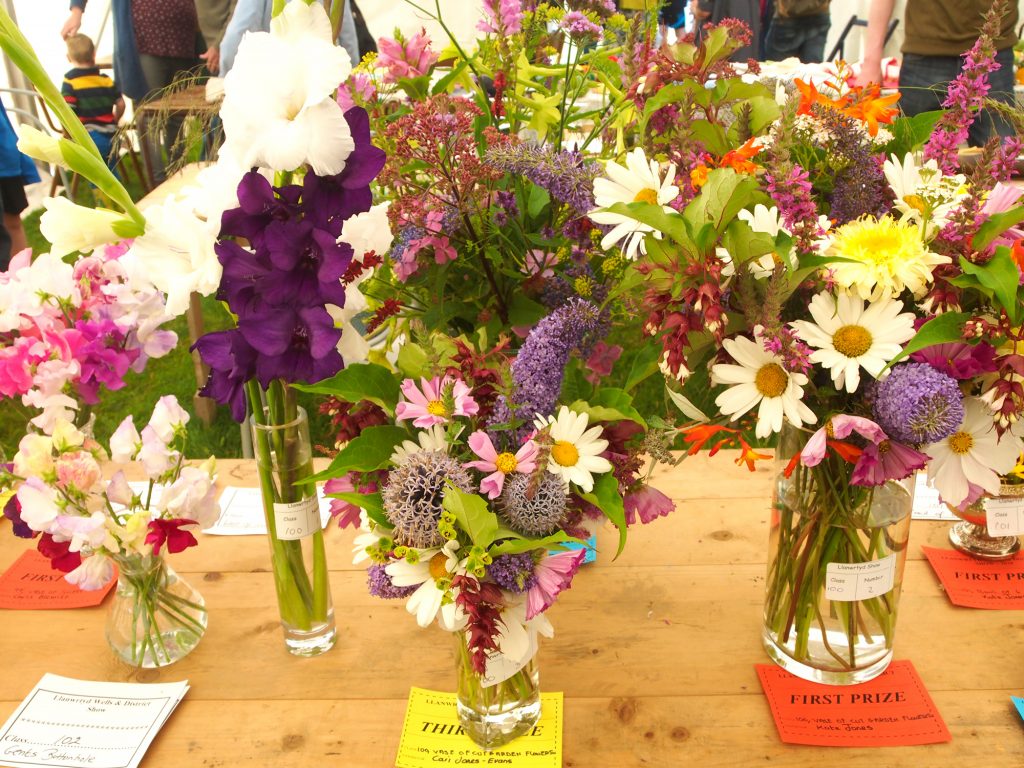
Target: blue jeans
x=923 y=84
x=803 y=37
x=105 y=143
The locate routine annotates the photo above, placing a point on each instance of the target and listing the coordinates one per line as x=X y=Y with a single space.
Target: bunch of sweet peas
x=68 y=330
x=85 y=524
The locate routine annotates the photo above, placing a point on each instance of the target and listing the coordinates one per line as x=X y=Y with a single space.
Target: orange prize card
x=893 y=710
x=973 y=583
x=32 y=584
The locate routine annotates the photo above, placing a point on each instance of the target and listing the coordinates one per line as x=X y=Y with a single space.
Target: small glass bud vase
x=499 y=706
x=284 y=458
x=972 y=535
x=156 y=617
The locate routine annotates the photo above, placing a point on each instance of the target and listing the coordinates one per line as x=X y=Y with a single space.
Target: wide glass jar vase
x=835 y=568
x=973 y=536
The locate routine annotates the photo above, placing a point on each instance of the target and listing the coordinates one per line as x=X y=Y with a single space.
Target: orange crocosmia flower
x=748 y=455
x=739 y=159
x=873 y=108
x=699 y=435
x=1017 y=252
x=847 y=452
x=809 y=96
x=699 y=176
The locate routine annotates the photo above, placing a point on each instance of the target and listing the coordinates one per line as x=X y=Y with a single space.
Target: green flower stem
x=514 y=692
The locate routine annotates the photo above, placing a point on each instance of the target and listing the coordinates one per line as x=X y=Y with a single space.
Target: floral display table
x=665 y=679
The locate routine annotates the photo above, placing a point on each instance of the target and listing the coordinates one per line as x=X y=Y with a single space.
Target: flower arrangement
x=86 y=525
x=814 y=276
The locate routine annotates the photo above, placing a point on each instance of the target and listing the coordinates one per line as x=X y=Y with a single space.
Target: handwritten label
x=927 y=505
x=973 y=583
x=31 y=584
x=297 y=519
x=892 y=710
x=1005 y=516
x=847 y=582
x=500 y=667
x=82 y=724
x=432 y=736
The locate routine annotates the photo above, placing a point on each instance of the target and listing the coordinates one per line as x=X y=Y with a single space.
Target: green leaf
x=362 y=381
x=1001 y=276
x=522 y=310
x=372 y=503
x=520 y=544
x=678 y=93
x=653 y=215
x=607 y=498
x=539 y=197
x=712 y=136
x=442 y=85
x=996 y=224
x=473 y=514
x=942 y=329
x=412 y=360
x=723 y=195
x=909 y=133
x=370 y=451
x=645 y=364
x=609 y=404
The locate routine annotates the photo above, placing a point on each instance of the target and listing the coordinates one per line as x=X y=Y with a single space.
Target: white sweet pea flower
x=38 y=503
x=192 y=496
x=155 y=455
x=48 y=275
x=83 y=533
x=66 y=436
x=279 y=108
x=125 y=441
x=34 y=457
x=118 y=491
x=71 y=227
x=94 y=573
x=168 y=417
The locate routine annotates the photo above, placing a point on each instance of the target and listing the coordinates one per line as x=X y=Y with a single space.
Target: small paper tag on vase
x=847 y=582
x=500 y=667
x=1005 y=516
x=297 y=519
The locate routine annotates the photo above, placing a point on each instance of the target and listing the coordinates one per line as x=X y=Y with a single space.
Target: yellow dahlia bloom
x=885 y=256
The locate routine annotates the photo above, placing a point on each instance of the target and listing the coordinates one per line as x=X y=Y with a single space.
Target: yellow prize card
x=433 y=737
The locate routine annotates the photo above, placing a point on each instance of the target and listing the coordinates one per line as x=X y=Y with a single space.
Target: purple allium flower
x=294 y=344
x=513 y=572
x=259 y=203
x=232 y=363
x=379 y=584
x=917 y=404
x=565 y=174
x=539 y=366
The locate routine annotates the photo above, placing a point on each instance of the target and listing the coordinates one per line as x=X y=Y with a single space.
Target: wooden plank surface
x=655 y=652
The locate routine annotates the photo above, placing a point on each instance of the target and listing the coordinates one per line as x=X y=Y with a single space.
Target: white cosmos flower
x=279 y=109
x=922 y=192
x=760 y=378
x=433 y=438
x=575 y=451
x=848 y=337
x=432 y=572
x=70 y=227
x=639 y=181
x=973 y=455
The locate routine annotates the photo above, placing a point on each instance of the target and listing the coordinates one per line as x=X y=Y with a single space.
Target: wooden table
x=655 y=653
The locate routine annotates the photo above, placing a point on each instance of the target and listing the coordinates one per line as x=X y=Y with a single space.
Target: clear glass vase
x=498 y=707
x=972 y=536
x=835 y=569
x=156 y=617
x=284 y=459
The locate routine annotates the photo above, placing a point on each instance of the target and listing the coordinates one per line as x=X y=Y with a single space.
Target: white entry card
x=83 y=724
x=846 y=582
x=1005 y=515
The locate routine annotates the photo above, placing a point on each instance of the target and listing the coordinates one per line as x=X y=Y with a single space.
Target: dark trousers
x=803 y=37
x=160 y=72
x=923 y=84
x=5 y=241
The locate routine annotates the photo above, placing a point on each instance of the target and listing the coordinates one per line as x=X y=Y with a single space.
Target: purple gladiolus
x=259 y=203
x=232 y=363
x=308 y=264
x=293 y=344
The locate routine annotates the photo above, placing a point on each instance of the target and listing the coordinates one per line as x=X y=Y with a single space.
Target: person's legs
x=783 y=39
x=12 y=193
x=5 y=241
x=923 y=82
x=815 y=35
x=990 y=123
x=105 y=144
x=160 y=72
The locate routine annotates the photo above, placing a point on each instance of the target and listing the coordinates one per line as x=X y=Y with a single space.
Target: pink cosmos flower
x=647 y=504
x=886 y=460
x=1002 y=198
x=958 y=359
x=841 y=427
x=405 y=59
x=426 y=407
x=523 y=461
x=345 y=512
x=163 y=531
x=554 y=573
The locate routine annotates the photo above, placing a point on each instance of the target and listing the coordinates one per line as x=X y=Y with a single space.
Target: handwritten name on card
x=973 y=583
x=30 y=584
x=892 y=710
x=432 y=736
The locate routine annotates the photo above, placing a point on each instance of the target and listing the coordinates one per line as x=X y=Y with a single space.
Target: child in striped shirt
x=93 y=96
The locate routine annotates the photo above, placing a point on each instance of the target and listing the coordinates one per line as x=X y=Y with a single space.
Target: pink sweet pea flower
x=554 y=573
x=163 y=531
x=646 y=504
x=523 y=461
x=427 y=407
x=839 y=428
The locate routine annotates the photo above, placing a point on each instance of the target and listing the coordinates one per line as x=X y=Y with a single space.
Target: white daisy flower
x=923 y=194
x=431 y=439
x=639 y=181
x=973 y=455
x=433 y=572
x=575 y=452
x=760 y=378
x=848 y=337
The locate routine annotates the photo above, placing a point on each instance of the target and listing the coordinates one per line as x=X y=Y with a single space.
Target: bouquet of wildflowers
x=813 y=271
x=87 y=525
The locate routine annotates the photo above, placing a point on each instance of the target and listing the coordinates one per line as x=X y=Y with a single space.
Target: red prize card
x=893 y=710
x=973 y=583
x=32 y=584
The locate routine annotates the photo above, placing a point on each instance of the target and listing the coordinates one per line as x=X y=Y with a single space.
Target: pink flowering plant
x=472 y=502
x=91 y=527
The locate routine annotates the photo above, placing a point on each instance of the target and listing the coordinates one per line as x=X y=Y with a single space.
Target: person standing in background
x=798 y=28
x=127 y=68
x=214 y=16
x=92 y=96
x=16 y=170
x=747 y=11
x=938 y=32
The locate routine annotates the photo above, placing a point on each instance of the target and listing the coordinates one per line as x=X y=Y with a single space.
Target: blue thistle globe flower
x=918 y=405
x=534 y=506
x=414 y=496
